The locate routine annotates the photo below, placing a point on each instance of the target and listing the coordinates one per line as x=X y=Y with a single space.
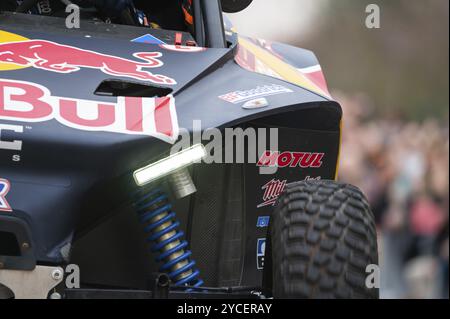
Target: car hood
x=50 y=81
x=75 y=63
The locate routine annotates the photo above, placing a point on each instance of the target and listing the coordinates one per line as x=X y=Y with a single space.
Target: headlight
x=169 y=165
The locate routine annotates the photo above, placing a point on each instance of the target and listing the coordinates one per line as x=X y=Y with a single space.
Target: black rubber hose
x=26 y=5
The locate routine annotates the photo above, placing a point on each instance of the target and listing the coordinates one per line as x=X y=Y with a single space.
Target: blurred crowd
x=403 y=168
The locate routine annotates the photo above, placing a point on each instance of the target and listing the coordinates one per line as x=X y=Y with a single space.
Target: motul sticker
x=29 y=102
x=65 y=59
x=4 y=189
x=291 y=159
x=272 y=191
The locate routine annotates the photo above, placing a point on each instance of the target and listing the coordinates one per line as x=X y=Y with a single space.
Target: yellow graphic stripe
x=286 y=71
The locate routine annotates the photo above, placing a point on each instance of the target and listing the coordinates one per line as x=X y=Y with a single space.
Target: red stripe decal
x=163 y=116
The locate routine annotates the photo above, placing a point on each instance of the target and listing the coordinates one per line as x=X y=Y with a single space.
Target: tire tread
x=323 y=237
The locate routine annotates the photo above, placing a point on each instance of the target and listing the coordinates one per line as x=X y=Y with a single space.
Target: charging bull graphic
x=54 y=57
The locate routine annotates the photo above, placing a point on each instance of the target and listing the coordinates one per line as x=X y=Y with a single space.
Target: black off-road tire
x=322 y=239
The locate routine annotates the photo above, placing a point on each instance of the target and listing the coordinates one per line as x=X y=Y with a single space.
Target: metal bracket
x=35 y=284
x=161 y=286
x=18 y=228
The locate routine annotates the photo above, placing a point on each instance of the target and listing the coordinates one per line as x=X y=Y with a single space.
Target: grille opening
x=132 y=89
x=9 y=246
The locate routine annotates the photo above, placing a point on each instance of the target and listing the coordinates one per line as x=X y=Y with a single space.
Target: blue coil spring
x=155 y=212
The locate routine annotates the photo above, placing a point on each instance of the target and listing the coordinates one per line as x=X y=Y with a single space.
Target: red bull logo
x=64 y=59
x=30 y=102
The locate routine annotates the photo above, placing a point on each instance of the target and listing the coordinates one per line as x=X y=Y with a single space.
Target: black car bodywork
x=70 y=187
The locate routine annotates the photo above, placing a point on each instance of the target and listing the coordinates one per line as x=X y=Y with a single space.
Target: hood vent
x=133 y=89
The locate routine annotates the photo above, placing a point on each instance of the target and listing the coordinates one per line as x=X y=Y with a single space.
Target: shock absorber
x=155 y=213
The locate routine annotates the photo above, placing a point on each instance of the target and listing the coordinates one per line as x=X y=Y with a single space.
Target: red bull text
x=30 y=102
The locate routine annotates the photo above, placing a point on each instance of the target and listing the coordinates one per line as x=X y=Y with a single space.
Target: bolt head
x=55 y=295
x=57 y=274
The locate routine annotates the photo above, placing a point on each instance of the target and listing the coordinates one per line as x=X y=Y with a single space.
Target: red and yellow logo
x=10 y=37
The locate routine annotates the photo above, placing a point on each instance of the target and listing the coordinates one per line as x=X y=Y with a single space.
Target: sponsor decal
x=259 y=56
x=29 y=102
x=263 y=221
x=309 y=178
x=260 y=253
x=4 y=189
x=54 y=57
x=10 y=37
x=261 y=91
x=316 y=76
x=272 y=190
x=149 y=39
x=14 y=145
x=291 y=159
x=182 y=48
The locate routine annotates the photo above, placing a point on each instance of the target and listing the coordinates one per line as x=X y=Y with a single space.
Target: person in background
x=403 y=167
x=167 y=14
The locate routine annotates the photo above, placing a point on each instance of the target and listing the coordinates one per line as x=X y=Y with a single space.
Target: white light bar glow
x=168 y=165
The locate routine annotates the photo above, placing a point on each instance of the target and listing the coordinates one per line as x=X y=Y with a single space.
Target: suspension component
x=182 y=184
x=155 y=213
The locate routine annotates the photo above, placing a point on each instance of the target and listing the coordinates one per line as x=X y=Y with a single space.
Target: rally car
x=107 y=130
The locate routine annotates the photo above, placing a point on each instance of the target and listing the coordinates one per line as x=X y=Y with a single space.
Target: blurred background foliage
x=402 y=67
x=392 y=84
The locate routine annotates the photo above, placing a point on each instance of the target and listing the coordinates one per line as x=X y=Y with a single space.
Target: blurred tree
x=403 y=66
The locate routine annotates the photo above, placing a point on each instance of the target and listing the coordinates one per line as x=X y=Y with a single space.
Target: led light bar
x=168 y=165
